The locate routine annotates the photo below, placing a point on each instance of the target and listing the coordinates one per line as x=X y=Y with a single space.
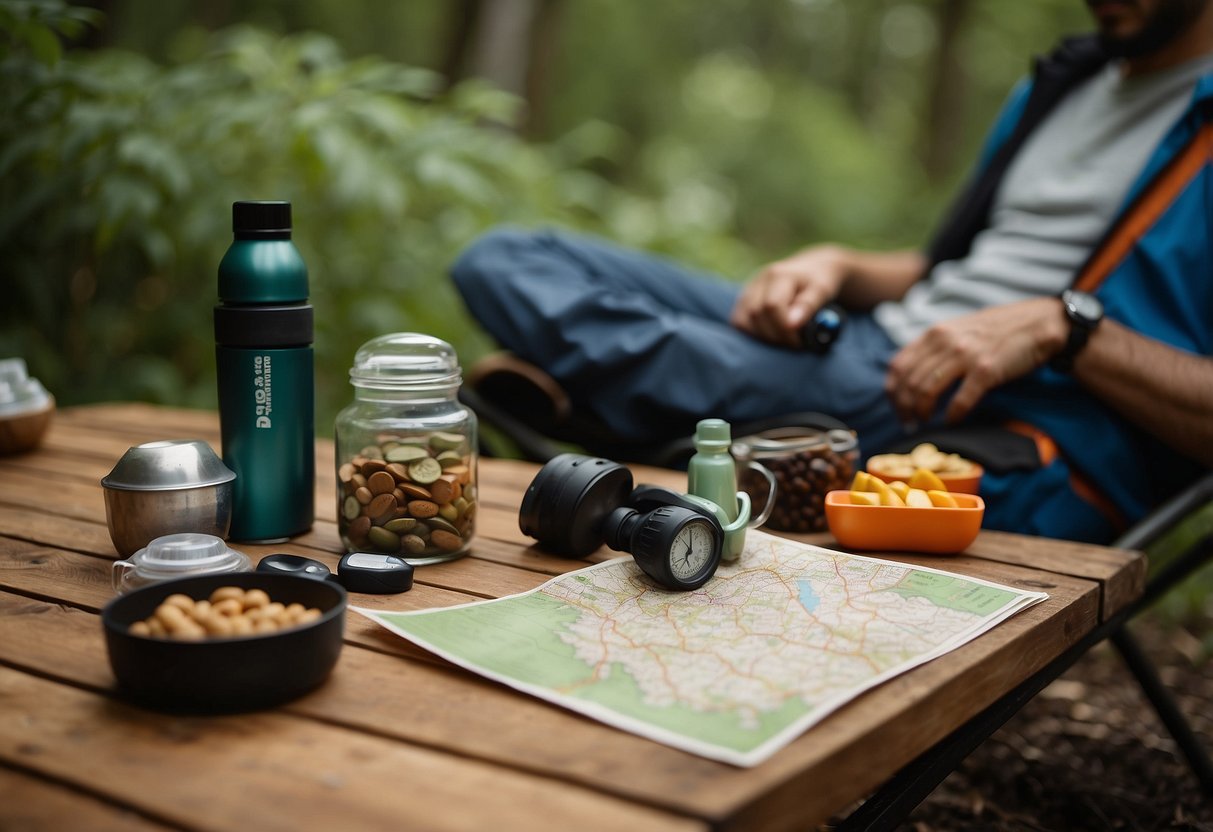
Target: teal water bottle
x=263 y=355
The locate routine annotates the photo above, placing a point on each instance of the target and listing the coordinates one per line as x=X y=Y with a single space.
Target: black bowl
x=229 y=674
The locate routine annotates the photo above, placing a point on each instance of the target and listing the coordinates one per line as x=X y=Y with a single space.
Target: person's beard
x=1168 y=21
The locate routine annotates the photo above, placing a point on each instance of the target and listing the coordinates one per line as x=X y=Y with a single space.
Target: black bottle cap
x=261 y=218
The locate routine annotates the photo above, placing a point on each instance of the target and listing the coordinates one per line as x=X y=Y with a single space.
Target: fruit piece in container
x=942 y=499
x=917 y=498
x=865 y=498
x=888 y=497
x=927 y=480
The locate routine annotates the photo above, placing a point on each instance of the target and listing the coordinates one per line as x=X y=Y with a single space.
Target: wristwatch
x=1085 y=312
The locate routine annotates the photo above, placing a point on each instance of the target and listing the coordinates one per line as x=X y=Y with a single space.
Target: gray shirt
x=1056 y=200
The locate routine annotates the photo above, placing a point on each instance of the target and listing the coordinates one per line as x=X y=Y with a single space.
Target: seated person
x=1096 y=182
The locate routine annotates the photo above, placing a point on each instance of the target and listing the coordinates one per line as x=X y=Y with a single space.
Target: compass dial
x=692 y=550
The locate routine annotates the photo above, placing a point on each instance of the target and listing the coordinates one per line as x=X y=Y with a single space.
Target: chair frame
x=909 y=787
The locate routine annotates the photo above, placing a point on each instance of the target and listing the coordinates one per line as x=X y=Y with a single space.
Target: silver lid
x=172 y=464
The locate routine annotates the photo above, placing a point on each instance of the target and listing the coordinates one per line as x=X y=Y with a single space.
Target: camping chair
x=1178 y=540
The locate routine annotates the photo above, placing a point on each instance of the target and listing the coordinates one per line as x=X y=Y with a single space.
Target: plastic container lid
x=406 y=360
x=20 y=394
x=712 y=434
x=177 y=556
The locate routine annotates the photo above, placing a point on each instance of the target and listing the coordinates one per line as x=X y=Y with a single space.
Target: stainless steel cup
x=162 y=488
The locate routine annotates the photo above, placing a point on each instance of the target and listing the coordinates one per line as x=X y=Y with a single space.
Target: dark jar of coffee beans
x=406 y=453
x=806 y=463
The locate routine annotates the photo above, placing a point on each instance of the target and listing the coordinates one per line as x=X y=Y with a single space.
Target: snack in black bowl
x=187 y=660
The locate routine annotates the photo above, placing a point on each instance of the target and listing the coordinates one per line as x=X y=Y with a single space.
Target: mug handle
x=120 y=570
x=755 y=522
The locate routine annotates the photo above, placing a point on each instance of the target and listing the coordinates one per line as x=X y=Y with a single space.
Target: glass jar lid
x=406 y=360
x=178 y=556
x=790 y=440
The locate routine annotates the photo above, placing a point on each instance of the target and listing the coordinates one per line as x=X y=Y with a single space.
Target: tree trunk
x=461 y=27
x=544 y=38
x=941 y=130
x=501 y=48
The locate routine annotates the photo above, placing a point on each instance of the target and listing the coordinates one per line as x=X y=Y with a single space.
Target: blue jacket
x=1157 y=281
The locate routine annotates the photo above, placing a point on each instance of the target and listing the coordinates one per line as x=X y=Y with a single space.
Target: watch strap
x=1080 y=332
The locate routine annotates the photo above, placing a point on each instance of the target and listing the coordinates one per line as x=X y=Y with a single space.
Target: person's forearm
x=876 y=276
x=1165 y=391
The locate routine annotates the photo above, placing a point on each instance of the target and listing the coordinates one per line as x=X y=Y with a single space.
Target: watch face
x=691 y=550
x=1086 y=307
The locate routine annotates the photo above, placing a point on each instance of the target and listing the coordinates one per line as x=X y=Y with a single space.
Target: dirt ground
x=1088 y=753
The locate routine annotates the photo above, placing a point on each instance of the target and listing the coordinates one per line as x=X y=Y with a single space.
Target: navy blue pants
x=643 y=343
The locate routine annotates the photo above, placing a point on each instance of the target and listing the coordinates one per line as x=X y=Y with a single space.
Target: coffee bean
x=802 y=478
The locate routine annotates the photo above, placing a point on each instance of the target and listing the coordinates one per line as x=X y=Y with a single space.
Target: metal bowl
x=162 y=488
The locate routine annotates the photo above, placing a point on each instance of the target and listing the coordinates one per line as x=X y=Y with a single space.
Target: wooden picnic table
x=399 y=739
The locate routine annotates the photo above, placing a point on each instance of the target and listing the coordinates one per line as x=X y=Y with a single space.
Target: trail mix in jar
x=410 y=495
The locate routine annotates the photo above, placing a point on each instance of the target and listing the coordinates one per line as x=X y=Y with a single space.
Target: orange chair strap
x=1153 y=203
x=1080 y=485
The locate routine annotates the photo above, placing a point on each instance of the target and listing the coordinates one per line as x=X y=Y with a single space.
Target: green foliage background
x=725 y=138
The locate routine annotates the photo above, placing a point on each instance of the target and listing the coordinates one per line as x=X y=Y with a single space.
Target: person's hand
x=981 y=350
x=784 y=294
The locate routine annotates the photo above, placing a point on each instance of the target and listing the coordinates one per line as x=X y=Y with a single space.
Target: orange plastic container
x=963 y=484
x=935 y=530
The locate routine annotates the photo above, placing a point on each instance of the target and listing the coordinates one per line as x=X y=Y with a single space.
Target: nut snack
x=229 y=612
x=409 y=495
x=406 y=452
x=924 y=455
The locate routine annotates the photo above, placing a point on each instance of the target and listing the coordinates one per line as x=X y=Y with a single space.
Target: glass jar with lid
x=807 y=464
x=406 y=452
